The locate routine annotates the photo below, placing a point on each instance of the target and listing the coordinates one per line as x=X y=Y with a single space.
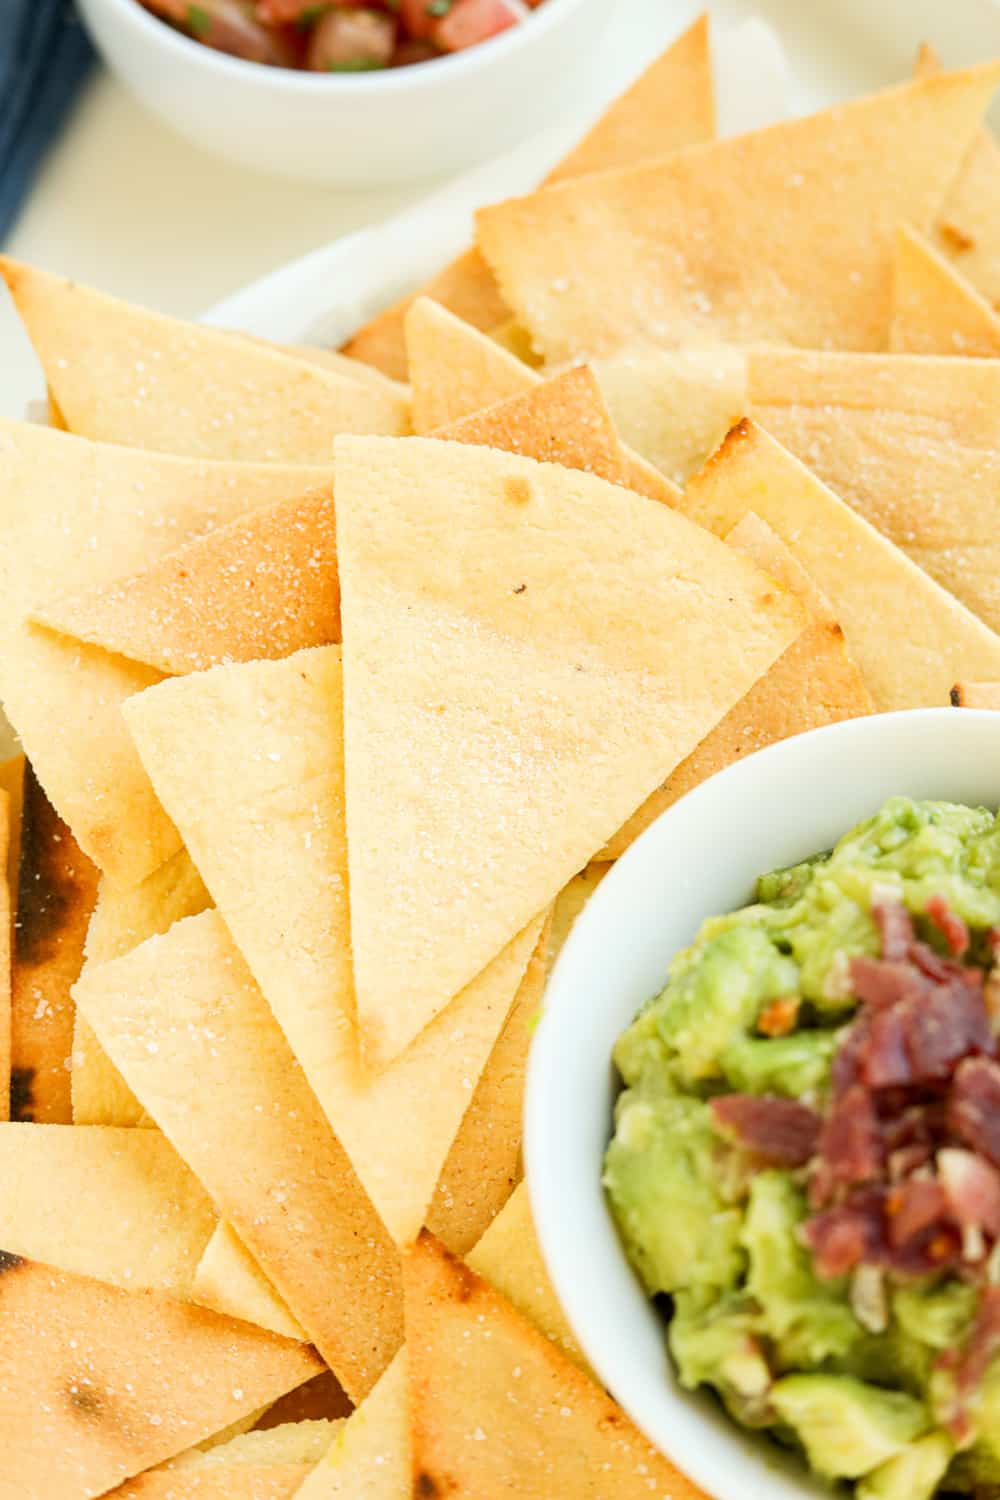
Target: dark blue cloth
x=44 y=58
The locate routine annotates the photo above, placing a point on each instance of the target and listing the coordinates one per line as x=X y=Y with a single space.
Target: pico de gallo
x=341 y=36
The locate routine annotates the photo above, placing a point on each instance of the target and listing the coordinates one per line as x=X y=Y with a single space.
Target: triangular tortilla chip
x=669 y=105
x=517 y=341
x=121 y=374
x=781 y=235
x=291 y=1443
x=934 y=310
x=761 y=543
x=6 y=944
x=122 y=919
x=544 y=1430
x=75 y=514
x=675 y=406
x=277 y=1482
x=509 y=1258
x=229 y=1280
x=568 y=906
x=912 y=443
x=116 y=1204
x=507 y=707
x=249 y=761
x=484 y=1162
x=342 y=364
x=265 y=585
x=456 y=370
x=184 y=1021
x=909 y=637
x=976 y=695
x=57 y=887
x=369 y=1458
x=112 y=1381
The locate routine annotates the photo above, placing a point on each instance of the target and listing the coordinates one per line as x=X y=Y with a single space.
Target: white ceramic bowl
x=700 y=858
x=365 y=129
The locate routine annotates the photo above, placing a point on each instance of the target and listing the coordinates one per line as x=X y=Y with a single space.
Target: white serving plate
x=828 y=50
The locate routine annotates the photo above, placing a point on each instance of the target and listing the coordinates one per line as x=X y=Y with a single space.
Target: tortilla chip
x=292 y=1443
x=342 y=364
x=322 y=1397
x=742 y=241
x=121 y=374
x=454 y=370
x=976 y=695
x=57 y=887
x=75 y=514
x=546 y=1429
x=761 y=543
x=276 y=1483
x=509 y=1258
x=569 y=904
x=517 y=341
x=184 y=1021
x=229 y=1280
x=6 y=946
x=910 y=443
x=934 y=310
x=369 y=1458
x=128 y=1209
x=508 y=707
x=484 y=1162
x=670 y=105
x=249 y=761
x=265 y=585
x=12 y=774
x=69 y=1342
x=675 y=407
x=123 y=919
x=909 y=638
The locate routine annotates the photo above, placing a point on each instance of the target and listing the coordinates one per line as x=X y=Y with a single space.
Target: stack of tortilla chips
x=341 y=678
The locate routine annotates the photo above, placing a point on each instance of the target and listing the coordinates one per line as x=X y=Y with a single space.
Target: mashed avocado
x=805 y=1163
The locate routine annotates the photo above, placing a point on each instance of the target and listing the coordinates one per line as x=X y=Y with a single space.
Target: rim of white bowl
x=389 y=80
x=708 y=1448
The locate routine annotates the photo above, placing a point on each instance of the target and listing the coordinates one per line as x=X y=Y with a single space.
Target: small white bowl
x=362 y=129
x=699 y=859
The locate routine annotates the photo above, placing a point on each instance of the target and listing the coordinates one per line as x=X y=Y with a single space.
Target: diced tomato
x=348 y=41
x=408 y=52
x=469 y=22
x=416 y=20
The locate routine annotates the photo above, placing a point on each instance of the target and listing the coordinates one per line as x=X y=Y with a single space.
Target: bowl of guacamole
x=785 y=1262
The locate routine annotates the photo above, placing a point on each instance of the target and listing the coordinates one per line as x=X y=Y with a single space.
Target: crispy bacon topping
x=775 y=1132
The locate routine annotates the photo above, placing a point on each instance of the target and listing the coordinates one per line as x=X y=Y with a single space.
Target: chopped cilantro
x=199 y=20
x=438 y=7
x=355 y=65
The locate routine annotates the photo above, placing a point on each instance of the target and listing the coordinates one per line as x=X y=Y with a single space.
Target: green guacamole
x=862 y=1371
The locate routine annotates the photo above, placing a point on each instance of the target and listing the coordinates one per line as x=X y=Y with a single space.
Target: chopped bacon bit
x=779 y=1018
x=974 y=1107
x=949 y=924
x=895 y=928
x=848 y=1236
x=970 y=1364
x=776 y=1132
x=850 y=1146
x=972 y=1188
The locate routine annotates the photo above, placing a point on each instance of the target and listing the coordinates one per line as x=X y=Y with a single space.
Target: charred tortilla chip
x=976 y=695
x=264 y=585
x=934 y=310
x=57 y=888
x=508 y=706
x=183 y=1020
x=68 y=1343
x=121 y=374
x=546 y=1430
x=740 y=241
x=228 y=1279
x=112 y=1203
x=249 y=761
x=873 y=588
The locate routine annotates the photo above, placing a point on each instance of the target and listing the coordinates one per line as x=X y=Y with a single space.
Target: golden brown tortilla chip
x=910 y=442
x=757 y=540
x=265 y=585
x=343 y=364
x=517 y=341
x=249 y=761
x=97 y=1383
x=369 y=1458
x=323 y=1396
x=230 y=1281
x=277 y=1482
x=121 y=374
x=12 y=774
x=541 y=1426
x=507 y=707
x=484 y=1162
x=456 y=370
x=291 y=1443
x=116 y=1204
x=509 y=1258
x=75 y=514
x=742 y=241
x=874 y=590
x=568 y=906
x=934 y=310
x=57 y=888
x=976 y=695
x=184 y=1021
